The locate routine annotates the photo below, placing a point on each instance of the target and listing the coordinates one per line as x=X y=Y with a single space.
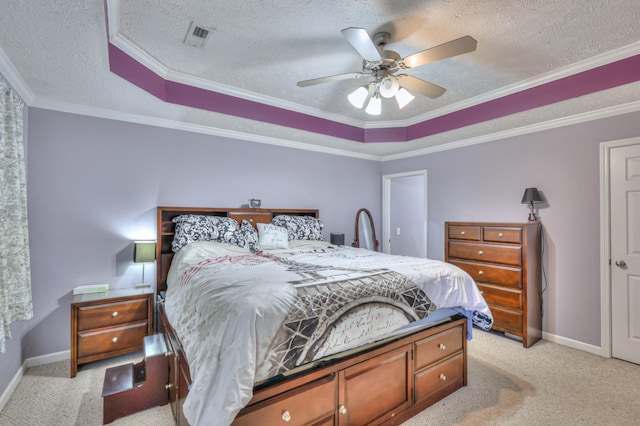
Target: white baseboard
x=30 y=362
x=596 y=350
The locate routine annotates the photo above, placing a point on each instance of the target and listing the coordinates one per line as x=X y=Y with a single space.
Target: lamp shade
x=531 y=195
x=145 y=251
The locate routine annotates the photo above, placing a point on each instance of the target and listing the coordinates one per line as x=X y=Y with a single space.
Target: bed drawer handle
x=480 y=252
x=499 y=234
x=342 y=409
x=114 y=340
x=462 y=233
x=115 y=314
x=443 y=377
x=442 y=347
x=286 y=416
x=481 y=273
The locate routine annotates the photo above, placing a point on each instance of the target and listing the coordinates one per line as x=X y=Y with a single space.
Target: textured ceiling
x=57 y=56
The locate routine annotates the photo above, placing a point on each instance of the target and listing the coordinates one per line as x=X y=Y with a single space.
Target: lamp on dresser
x=532 y=196
x=145 y=252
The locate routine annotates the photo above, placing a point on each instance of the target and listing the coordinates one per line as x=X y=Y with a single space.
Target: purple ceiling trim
x=601 y=78
x=134 y=72
x=196 y=97
x=182 y=94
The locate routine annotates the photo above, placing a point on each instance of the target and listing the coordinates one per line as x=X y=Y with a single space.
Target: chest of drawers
x=504 y=260
x=109 y=324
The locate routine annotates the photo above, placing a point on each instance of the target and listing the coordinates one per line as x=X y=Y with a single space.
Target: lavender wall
x=486 y=182
x=93 y=185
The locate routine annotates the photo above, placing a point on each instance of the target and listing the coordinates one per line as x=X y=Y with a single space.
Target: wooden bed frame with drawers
x=386 y=383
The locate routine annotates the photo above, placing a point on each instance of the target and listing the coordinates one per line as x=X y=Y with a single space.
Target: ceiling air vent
x=197 y=35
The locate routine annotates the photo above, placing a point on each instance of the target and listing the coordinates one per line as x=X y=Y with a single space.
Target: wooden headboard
x=166 y=229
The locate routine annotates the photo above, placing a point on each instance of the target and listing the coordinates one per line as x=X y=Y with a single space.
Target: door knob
x=621 y=263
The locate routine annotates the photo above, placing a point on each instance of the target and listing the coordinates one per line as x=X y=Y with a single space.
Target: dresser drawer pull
x=286 y=416
x=480 y=252
x=115 y=314
x=481 y=273
x=462 y=233
x=443 y=377
x=442 y=347
x=499 y=234
x=114 y=340
x=342 y=409
x=168 y=386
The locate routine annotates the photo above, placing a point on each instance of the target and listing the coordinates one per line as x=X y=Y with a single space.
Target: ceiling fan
x=383 y=64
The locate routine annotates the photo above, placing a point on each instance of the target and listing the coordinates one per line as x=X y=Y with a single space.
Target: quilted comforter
x=244 y=317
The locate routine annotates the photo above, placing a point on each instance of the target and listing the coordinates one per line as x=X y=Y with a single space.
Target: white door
x=625 y=252
x=404 y=213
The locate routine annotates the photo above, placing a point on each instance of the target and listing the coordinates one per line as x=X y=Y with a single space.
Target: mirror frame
x=356 y=242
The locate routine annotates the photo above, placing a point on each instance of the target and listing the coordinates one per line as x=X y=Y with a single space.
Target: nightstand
x=108 y=324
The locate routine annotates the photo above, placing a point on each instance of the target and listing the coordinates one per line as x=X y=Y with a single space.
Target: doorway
x=404 y=213
x=620 y=254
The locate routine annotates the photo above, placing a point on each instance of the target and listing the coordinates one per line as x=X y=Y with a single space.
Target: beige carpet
x=547 y=384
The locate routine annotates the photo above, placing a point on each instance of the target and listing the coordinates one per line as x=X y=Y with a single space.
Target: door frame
x=605 y=241
x=386 y=207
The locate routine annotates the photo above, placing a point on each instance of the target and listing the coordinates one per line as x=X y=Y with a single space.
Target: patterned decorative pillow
x=272 y=236
x=300 y=227
x=191 y=228
x=247 y=236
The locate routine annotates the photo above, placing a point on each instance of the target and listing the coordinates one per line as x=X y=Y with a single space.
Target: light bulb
x=375 y=106
x=403 y=97
x=358 y=96
x=389 y=87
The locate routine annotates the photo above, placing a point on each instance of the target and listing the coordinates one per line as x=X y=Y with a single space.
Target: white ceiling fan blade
x=360 y=40
x=417 y=85
x=330 y=79
x=455 y=47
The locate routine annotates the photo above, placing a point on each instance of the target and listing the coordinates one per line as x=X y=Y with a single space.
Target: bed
x=266 y=322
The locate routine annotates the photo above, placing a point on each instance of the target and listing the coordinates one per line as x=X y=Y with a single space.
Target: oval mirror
x=365 y=231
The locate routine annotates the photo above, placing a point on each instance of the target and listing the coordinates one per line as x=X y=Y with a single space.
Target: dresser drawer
x=502 y=234
x=443 y=379
x=501 y=296
x=113 y=339
x=508 y=255
x=309 y=404
x=112 y=314
x=464 y=232
x=481 y=272
x=506 y=320
x=437 y=347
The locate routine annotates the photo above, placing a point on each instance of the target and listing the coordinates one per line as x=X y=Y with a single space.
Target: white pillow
x=272 y=236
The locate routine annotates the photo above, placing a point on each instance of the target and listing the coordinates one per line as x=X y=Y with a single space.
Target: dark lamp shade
x=145 y=251
x=531 y=195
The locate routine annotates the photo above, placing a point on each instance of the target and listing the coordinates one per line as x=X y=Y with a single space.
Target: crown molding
x=519 y=131
x=15 y=80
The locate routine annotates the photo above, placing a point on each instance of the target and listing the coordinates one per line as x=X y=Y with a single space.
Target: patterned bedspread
x=244 y=317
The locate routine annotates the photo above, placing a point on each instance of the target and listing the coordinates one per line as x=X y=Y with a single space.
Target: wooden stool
x=131 y=388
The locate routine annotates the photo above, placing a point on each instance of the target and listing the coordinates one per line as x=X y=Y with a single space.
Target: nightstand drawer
x=112 y=314
x=509 y=255
x=481 y=272
x=113 y=339
x=501 y=296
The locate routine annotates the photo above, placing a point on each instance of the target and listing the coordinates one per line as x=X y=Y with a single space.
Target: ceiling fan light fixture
x=358 y=96
x=375 y=106
x=389 y=86
x=403 y=97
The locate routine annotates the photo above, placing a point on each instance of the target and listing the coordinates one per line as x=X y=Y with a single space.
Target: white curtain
x=15 y=270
